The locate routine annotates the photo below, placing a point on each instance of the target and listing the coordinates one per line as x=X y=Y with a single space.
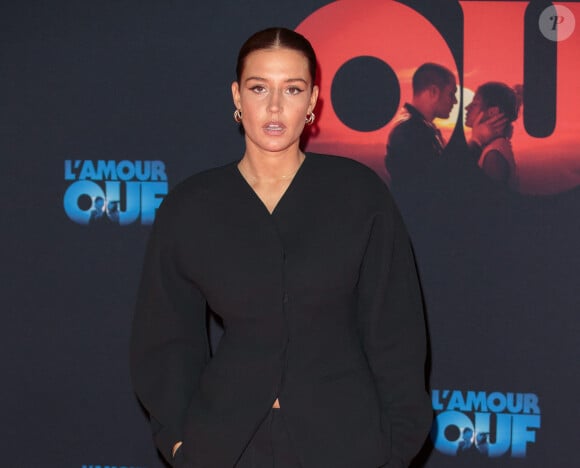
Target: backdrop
x=108 y=104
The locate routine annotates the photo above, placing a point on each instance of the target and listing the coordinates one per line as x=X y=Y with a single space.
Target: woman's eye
x=258 y=89
x=294 y=90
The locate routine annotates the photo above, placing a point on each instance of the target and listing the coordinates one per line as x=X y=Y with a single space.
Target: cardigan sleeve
x=393 y=332
x=169 y=344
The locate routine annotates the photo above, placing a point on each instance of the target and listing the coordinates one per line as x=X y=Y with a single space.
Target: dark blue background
x=148 y=80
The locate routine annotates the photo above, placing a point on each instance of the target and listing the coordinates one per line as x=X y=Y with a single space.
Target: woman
x=497 y=157
x=307 y=261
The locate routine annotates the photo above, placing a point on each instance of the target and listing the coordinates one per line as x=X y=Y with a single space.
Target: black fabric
x=414 y=145
x=321 y=308
x=270 y=446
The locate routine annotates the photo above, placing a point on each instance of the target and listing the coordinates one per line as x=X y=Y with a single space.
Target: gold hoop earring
x=238 y=115
x=310 y=118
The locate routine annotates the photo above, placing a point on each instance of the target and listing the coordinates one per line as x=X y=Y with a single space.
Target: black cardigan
x=321 y=308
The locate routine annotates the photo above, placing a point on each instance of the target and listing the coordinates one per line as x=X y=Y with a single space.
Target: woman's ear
x=236 y=95
x=313 y=98
x=492 y=111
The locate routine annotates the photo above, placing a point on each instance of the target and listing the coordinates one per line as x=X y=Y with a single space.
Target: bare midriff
x=276 y=404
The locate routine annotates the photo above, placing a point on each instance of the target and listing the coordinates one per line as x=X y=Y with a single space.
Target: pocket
x=385 y=442
x=179 y=458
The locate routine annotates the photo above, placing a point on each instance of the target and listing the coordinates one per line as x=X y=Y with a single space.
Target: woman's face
x=275 y=94
x=473 y=110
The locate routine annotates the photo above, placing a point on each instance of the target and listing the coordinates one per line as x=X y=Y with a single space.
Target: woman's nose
x=274 y=103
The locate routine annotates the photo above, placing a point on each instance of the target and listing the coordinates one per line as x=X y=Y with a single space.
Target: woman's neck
x=271 y=167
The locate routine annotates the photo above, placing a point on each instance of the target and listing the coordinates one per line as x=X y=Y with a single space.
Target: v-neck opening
x=284 y=194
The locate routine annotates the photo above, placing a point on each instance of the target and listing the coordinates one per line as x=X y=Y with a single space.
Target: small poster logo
x=486 y=424
x=113 y=192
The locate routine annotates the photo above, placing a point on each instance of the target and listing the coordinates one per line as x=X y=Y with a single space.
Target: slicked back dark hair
x=277 y=38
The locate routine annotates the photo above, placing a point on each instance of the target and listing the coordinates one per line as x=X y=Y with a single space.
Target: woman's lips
x=274 y=128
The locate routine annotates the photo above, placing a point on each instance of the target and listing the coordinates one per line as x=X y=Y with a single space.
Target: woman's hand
x=485 y=131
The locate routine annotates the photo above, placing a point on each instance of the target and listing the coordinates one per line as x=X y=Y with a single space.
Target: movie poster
x=108 y=105
x=480 y=229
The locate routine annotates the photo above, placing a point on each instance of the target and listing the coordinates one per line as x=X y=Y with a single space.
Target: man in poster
x=415 y=142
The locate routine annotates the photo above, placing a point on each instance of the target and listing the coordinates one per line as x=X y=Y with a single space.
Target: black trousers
x=271 y=446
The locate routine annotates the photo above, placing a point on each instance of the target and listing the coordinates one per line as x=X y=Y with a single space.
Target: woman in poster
x=497 y=157
x=306 y=260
